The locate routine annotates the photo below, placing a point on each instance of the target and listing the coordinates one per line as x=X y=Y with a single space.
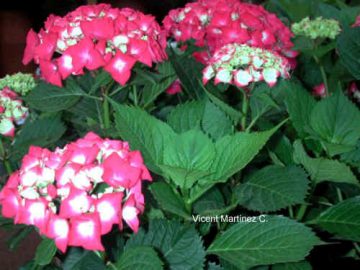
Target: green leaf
x=215 y=122
x=214 y=266
x=212 y=201
x=152 y=90
x=144 y=132
x=189 y=72
x=228 y=266
x=353 y=157
x=309 y=71
x=295 y=9
x=304 y=265
x=278 y=240
x=49 y=98
x=188 y=158
x=45 y=252
x=79 y=259
x=168 y=199
x=281 y=151
x=31 y=265
x=348 y=47
x=304 y=44
x=179 y=245
x=14 y=241
x=321 y=51
x=186 y=116
x=300 y=105
x=261 y=101
x=41 y=132
x=232 y=113
x=86 y=109
x=273 y=188
x=233 y=153
x=342 y=219
x=349 y=13
x=103 y=78
x=331 y=12
x=139 y=258
x=202 y=114
x=332 y=119
x=144 y=76
x=321 y=169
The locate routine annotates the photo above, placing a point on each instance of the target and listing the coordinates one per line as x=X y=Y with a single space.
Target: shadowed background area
x=17 y=17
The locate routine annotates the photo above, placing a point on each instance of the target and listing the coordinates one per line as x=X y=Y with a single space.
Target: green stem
x=92 y=97
x=323 y=75
x=252 y=123
x=339 y=195
x=244 y=109
x=4 y=158
x=106 y=109
x=117 y=90
x=291 y=213
x=301 y=213
x=357 y=248
x=188 y=207
x=135 y=96
x=111 y=265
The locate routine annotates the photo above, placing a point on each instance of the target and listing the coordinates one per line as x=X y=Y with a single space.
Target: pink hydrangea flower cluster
x=215 y=23
x=241 y=64
x=76 y=194
x=92 y=37
x=11 y=112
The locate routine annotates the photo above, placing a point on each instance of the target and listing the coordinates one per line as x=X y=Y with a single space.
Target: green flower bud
x=317 y=28
x=19 y=82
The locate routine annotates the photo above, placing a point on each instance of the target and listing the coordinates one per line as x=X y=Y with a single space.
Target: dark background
x=17 y=17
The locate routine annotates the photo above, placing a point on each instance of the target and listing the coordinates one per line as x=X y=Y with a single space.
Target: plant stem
x=357 y=248
x=106 y=109
x=244 y=108
x=339 y=195
x=323 y=75
x=252 y=123
x=3 y=156
x=301 y=213
x=117 y=90
x=111 y=265
x=135 y=95
x=291 y=213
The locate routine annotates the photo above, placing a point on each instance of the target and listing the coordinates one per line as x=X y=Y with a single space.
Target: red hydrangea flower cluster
x=11 y=112
x=76 y=194
x=215 y=23
x=92 y=37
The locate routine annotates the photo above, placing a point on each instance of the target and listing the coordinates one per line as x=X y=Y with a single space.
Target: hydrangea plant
x=219 y=139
